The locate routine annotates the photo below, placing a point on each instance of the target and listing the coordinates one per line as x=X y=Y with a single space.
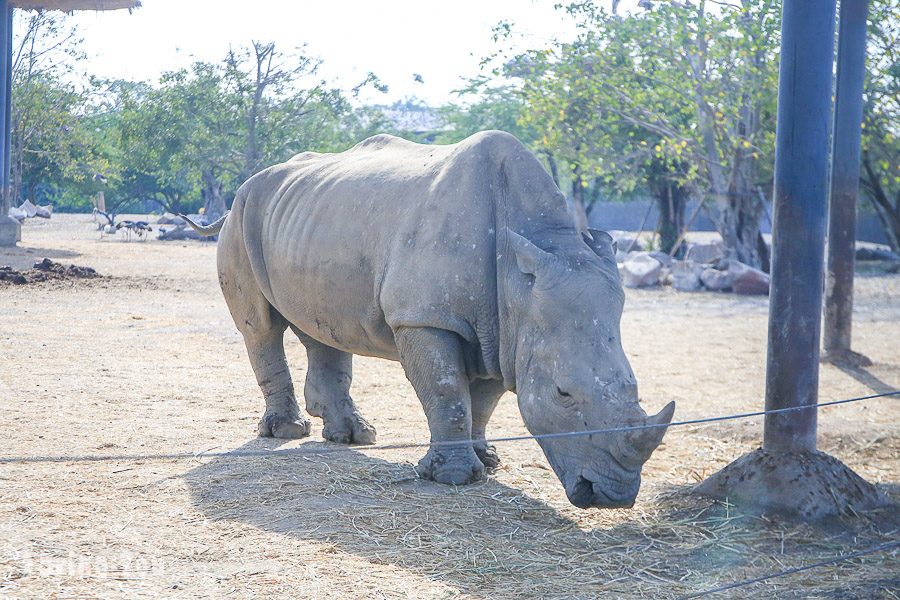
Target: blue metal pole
x=798 y=236
x=5 y=98
x=848 y=109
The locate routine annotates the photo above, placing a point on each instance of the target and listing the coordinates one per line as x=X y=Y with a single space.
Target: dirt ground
x=146 y=362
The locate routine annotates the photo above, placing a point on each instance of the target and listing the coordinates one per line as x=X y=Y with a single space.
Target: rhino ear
x=529 y=257
x=600 y=242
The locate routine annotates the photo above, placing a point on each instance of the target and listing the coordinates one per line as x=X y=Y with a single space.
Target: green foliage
x=881 y=118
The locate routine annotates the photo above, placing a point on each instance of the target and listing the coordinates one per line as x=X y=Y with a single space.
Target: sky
x=395 y=39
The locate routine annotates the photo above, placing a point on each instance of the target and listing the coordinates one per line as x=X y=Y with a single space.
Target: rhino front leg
x=485 y=395
x=327 y=393
x=433 y=362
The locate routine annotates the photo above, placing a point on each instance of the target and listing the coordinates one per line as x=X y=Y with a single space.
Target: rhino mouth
x=591 y=489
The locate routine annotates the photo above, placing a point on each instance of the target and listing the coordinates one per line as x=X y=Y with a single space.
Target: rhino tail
x=206 y=230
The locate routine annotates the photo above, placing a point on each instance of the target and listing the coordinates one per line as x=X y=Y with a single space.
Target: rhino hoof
x=352 y=429
x=488 y=456
x=279 y=427
x=451 y=467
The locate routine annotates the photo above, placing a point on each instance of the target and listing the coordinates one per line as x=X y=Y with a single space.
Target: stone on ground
x=641 y=270
x=747 y=280
x=686 y=275
x=716 y=280
x=705 y=253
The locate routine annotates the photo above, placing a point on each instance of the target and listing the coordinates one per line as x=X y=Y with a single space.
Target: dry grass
x=148 y=362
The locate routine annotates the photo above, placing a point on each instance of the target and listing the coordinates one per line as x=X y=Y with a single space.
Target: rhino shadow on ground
x=490 y=540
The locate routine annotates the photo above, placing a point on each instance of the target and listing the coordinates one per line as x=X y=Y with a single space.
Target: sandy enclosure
x=147 y=362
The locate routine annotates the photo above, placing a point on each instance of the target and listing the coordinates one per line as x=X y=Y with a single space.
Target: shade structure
x=71 y=5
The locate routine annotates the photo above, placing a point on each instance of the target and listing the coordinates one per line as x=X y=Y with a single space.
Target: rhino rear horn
x=645 y=441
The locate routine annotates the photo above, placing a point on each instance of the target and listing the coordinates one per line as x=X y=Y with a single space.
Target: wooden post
x=848 y=108
x=798 y=235
x=788 y=476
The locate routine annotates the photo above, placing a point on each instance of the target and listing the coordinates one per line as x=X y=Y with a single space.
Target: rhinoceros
x=463 y=263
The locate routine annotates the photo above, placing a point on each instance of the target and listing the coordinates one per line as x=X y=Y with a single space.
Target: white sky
x=440 y=40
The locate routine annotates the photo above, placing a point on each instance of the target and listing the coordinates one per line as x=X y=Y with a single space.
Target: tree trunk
x=888 y=215
x=737 y=216
x=578 y=211
x=551 y=162
x=213 y=200
x=670 y=200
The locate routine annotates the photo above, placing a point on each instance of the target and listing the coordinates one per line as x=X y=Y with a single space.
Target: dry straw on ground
x=146 y=361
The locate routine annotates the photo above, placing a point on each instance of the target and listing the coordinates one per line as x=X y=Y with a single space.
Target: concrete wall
x=627 y=216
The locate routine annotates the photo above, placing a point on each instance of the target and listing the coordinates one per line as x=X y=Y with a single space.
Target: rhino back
x=351 y=246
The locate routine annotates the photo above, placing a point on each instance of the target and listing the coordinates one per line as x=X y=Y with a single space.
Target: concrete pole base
x=10 y=231
x=799 y=485
x=846 y=358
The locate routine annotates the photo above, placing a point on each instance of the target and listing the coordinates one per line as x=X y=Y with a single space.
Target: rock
x=169 y=219
x=182 y=232
x=716 y=280
x=641 y=270
x=665 y=276
x=705 y=253
x=29 y=208
x=626 y=241
x=663 y=258
x=747 y=280
x=686 y=275
x=874 y=253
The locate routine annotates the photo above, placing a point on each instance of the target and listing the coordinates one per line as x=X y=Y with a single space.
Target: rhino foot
x=348 y=429
x=453 y=466
x=488 y=456
x=278 y=426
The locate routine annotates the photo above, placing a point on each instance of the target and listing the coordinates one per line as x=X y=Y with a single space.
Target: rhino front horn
x=645 y=441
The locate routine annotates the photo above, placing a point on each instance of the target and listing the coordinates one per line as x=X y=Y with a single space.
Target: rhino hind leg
x=282 y=418
x=433 y=362
x=327 y=393
x=485 y=395
x=263 y=330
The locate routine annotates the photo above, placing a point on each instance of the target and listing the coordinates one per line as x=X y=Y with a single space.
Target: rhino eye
x=564 y=398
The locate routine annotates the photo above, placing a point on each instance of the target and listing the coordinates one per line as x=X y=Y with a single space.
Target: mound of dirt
x=46 y=270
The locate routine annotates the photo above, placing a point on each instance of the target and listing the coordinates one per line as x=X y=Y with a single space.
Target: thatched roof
x=70 y=5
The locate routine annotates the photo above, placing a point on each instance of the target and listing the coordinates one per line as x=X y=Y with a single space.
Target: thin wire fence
x=322 y=448
x=791 y=571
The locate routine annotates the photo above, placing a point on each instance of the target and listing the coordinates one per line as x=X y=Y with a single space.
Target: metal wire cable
x=824 y=563
x=308 y=449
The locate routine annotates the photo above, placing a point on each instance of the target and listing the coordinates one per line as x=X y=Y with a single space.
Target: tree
x=205 y=130
x=675 y=95
x=880 y=176
x=52 y=149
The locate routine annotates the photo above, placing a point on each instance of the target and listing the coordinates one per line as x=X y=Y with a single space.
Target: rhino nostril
x=582 y=493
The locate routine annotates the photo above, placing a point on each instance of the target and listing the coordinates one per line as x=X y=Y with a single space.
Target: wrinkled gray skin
x=459 y=261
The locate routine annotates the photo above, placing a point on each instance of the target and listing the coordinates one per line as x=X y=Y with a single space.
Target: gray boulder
x=641 y=270
x=716 y=280
x=686 y=275
x=747 y=280
x=625 y=240
x=876 y=253
x=705 y=253
x=663 y=258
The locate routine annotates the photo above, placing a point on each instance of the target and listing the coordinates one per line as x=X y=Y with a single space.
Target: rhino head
x=571 y=373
